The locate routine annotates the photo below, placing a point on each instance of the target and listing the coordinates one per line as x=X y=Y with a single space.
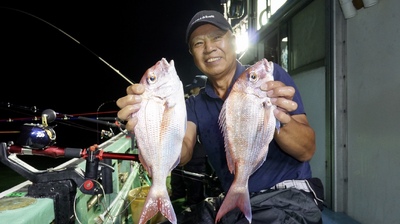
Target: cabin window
x=265 y=9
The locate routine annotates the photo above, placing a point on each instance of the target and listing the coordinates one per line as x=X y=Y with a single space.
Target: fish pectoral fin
x=170 y=103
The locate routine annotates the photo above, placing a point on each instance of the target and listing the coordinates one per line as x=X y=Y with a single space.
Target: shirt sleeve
x=190 y=110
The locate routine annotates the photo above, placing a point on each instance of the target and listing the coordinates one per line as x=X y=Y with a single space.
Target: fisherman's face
x=213 y=50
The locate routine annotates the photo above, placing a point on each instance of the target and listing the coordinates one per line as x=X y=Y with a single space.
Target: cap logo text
x=204 y=17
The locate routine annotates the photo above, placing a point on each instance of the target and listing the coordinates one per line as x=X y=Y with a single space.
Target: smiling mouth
x=213 y=59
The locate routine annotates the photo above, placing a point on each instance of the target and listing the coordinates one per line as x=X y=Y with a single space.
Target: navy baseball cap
x=207 y=16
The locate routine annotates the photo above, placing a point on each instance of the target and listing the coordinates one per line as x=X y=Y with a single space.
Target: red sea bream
x=159 y=133
x=248 y=124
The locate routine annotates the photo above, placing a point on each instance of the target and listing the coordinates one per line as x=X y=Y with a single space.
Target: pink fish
x=159 y=133
x=248 y=125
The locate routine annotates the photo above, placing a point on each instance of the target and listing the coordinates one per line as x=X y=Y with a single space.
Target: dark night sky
x=42 y=67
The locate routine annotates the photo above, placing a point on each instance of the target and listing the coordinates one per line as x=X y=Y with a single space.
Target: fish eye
x=253 y=77
x=152 y=78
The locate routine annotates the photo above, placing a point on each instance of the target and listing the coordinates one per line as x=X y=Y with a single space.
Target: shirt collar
x=239 y=70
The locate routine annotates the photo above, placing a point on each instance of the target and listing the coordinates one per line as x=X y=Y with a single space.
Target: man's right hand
x=130 y=104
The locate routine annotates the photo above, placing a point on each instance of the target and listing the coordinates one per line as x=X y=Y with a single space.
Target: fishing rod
x=64 y=119
x=72 y=38
x=60 y=116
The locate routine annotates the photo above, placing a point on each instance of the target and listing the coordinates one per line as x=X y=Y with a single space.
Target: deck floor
x=331 y=217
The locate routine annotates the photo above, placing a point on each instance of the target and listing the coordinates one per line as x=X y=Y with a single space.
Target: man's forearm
x=297 y=138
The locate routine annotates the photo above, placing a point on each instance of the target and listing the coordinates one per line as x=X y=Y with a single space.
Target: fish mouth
x=214 y=59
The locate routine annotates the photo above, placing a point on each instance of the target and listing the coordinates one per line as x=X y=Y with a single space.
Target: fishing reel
x=38 y=136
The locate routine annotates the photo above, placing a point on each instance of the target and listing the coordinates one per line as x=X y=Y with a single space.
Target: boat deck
x=15 y=207
x=331 y=217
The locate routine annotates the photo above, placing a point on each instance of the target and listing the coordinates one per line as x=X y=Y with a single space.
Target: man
x=274 y=197
x=194 y=88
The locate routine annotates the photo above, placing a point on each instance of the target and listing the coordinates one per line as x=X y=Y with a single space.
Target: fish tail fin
x=245 y=206
x=148 y=211
x=166 y=208
x=236 y=197
x=156 y=202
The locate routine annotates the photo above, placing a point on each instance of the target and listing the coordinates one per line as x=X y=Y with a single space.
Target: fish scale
x=248 y=124
x=159 y=134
